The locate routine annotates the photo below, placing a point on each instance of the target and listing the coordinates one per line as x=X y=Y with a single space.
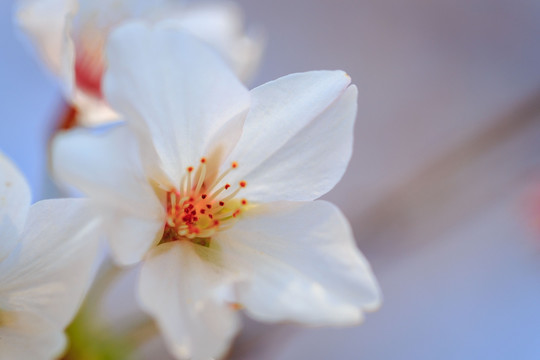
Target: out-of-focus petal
x=176 y=91
x=179 y=287
x=29 y=336
x=297 y=138
x=304 y=265
x=45 y=23
x=14 y=204
x=50 y=270
x=221 y=25
x=108 y=168
x=93 y=111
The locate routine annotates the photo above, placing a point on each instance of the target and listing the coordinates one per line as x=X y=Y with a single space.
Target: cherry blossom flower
x=212 y=187
x=47 y=252
x=70 y=35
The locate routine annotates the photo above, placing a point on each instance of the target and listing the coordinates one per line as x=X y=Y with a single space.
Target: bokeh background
x=443 y=191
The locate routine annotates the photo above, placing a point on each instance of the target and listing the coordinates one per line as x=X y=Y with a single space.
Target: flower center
x=89 y=64
x=199 y=208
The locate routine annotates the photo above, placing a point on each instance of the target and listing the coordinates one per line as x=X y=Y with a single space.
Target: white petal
x=304 y=263
x=104 y=12
x=93 y=111
x=49 y=271
x=107 y=167
x=28 y=336
x=45 y=22
x=297 y=138
x=131 y=237
x=221 y=26
x=14 y=204
x=174 y=89
x=179 y=288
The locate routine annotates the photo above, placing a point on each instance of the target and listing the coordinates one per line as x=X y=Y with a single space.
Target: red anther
x=194 y=212
x=190 y=169
x=191 y=199
x=195 y=218
x=204 y=196
x=202 y=211
x=227 y=186
x=209 y=206
x=190 y=206
x=203 y=160
x=221 y=203
x=242 y=184
x=216 y=222
x=236 y=213
x=244 y=202
x=186 y=210
x=234 y=165
x=210 y=216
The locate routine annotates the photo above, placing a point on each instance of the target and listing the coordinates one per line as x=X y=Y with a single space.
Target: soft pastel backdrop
x=447 y=155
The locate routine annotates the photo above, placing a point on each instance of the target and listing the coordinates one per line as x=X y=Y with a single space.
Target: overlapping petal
x=49 y=271
x=45 y=22
x=29 y=336
x=303 y=262
x=220 y=24
x=69 y=36
x=297 y=138
x=14 y=204
x=179 y=286
x=107 y=166
x=175 y=90
x=291 y=139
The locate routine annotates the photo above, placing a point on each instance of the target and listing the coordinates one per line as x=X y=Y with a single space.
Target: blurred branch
x=455 y=186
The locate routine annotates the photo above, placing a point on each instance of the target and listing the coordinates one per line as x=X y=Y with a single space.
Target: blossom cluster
x=208 y=188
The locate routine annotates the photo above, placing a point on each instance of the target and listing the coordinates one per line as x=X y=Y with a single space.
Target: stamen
x=193 y=213
x=190 y=170
x=242 y=185
x=201 y=176
x=226 y=215
x=216 y=193
x=234 y=165
x=173 y=202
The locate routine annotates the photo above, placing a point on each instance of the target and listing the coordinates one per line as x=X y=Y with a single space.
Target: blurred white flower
x=212 y=186
x=70 y=36
x=47 y=252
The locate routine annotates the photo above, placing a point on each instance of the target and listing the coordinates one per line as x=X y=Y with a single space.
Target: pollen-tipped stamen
x=196 y=211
